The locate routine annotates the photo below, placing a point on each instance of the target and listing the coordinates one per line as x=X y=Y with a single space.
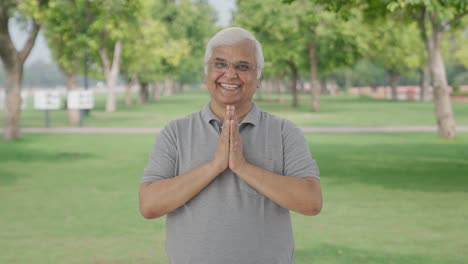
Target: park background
x=69 y=194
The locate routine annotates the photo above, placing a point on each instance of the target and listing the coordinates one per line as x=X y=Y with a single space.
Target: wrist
x=240 y=170
x=215 y=167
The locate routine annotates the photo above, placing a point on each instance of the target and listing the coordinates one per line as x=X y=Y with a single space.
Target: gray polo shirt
x=229 y=221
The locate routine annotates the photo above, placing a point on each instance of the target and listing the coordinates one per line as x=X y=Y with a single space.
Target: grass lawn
x=388 y=198
x=342 y=110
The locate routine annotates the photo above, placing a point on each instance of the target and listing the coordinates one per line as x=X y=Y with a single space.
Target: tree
x=303 y=37
x=110 y=21
x=396 y=48
x=32 y=12
x=190 y=23
x=151 y=48
x=276 y=27
x=65 y=32
x=434 y=18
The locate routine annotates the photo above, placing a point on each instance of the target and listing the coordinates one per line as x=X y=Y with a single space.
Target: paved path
x=146 y=130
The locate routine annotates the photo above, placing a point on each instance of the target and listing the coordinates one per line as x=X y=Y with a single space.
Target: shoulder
x=179 y=125
x=272 y=121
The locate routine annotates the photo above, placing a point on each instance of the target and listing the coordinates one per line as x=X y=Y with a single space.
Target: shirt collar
x=253 y=117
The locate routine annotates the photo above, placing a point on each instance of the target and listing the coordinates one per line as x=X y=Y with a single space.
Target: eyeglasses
x=222 y=66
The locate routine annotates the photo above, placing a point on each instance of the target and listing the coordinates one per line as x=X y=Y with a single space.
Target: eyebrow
x=221 y=59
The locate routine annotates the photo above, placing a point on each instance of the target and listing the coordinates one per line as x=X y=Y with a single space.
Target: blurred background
x=380 y=89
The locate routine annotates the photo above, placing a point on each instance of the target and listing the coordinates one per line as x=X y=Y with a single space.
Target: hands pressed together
x=229 y=152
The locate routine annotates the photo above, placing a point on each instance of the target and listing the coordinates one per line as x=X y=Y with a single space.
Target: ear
x=260 y=81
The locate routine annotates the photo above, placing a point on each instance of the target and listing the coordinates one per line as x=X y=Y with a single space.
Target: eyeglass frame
x=233 y=65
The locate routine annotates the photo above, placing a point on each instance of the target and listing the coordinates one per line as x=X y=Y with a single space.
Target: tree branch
x=105 y=61
x=457 y=18
x=8 y=51
x=23 y=54
x=117 y=52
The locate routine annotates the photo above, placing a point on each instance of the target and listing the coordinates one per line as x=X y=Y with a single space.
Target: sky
x=42 y=52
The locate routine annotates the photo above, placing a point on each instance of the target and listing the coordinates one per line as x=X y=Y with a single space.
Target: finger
x=227 y=117
x=234 y=115
x=226 y=129
x=235 y=131
x=231 y=136
x=231 y=111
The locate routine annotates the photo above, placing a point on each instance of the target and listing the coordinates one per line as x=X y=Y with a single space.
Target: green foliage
x=66 y=33
x=287 y=31
x=191 y=24
x=169 y=41
x=276 y=27
x=396 y=47
x=365 y=73
x=148 y=46
x=109 y=21
x=34 y=9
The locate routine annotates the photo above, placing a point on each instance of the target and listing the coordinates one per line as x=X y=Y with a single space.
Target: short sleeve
x=297 y=158
x=162 y=162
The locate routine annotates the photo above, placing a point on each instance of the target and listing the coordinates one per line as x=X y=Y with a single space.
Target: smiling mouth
x=230 y=87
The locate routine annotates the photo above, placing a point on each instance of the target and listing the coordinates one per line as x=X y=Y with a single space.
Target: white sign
x=24 y=100
x=47 y=100
x=83 y=99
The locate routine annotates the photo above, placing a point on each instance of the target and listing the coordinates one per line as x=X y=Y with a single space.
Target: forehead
x=243 y=51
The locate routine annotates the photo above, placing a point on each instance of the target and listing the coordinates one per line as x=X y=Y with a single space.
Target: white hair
x=232 y=36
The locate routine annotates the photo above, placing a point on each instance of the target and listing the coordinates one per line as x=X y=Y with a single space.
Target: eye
x=220 y=65
x=243 y=67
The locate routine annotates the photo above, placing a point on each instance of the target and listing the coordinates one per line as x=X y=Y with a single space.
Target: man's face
x=230 y=86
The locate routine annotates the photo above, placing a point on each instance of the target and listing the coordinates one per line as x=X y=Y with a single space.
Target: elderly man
x=227 y=176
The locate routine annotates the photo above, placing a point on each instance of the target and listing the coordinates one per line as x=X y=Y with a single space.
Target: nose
x=231 y=71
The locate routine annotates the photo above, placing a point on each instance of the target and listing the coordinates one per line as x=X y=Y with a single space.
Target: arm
x=300 y=194
x=163 y=196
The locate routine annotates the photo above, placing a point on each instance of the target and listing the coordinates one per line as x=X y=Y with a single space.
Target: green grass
x=388 y=198
x=342 y=110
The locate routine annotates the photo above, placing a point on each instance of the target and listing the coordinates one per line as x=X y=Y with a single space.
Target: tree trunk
x=130 y=83
x=314 y=82
x=293 y=83
x=73 y=114
x=323 y=86
x=424 y=82
x=443 y=105
x=426 y=71
x=144 y=93
x=394 y=80
x=111 y=72
x=13 y=61
x=12 y=109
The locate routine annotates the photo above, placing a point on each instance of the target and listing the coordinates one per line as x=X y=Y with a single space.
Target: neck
x=241 y=110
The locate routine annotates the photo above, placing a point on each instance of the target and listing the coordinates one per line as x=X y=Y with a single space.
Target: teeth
x=229 y=86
